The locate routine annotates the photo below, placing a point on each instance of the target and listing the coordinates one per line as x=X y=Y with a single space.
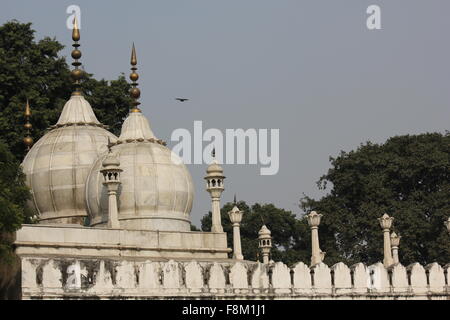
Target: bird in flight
x=182 y=99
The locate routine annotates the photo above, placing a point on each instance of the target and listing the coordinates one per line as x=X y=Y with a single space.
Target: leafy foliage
x=109 y=100
x=290 y=237
x=13 y=196
x=407 y=177
x=34 y=71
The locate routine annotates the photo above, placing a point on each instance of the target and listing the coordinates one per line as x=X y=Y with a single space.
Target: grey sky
x=309 y=68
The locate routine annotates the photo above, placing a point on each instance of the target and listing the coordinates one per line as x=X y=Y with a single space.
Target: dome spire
x=27 y=140
x=77 y=110
x=77 y=74
x=135 y=93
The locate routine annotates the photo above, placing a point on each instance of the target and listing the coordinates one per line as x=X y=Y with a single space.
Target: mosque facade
x=114 y=222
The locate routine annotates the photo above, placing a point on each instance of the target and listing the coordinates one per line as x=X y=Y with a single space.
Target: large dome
x=156 y=191
x=57 y=166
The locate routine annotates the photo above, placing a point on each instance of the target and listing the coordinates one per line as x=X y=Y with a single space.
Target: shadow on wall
x=10 y=269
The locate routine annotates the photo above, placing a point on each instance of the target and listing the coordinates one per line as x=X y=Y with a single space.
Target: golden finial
x=135 y=93
x=133 y=56
x=77 y=74
x=75 y=30
x=28 y=141
x=27 y=110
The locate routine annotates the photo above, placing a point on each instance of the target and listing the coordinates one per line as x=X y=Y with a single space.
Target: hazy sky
x=309 y=68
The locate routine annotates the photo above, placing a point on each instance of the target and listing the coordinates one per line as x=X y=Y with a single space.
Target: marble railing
x=105 y=279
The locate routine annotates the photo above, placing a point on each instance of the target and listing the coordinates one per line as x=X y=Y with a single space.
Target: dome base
x=165 y=223
x=68 y=221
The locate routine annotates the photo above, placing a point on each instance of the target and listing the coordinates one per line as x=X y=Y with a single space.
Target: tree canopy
x=407 y=177
x=34 y=70
x=13 y=196
x=289 y=235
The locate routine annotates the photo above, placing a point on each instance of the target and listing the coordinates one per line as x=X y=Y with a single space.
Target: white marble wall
x=81 y=278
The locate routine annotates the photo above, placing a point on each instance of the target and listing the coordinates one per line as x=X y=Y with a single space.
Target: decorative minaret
x=317 y=255
x=111 y=179
x=447 y=224
x=28 y=140
x=214 y=185
x=395 y=242
x=135 y=93
x=76 y=74
x=386 y=223
x=236 y=217
x=265 y=243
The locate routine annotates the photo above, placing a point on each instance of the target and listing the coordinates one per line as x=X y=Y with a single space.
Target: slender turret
x=77 y=73
x=28 y=140
x=214 y=185
x=135 y=93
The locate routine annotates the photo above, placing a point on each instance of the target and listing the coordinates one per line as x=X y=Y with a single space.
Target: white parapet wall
x=76 y=241
x=101 y=278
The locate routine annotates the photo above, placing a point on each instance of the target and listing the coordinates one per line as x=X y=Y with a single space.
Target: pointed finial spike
x=76 y=74
x=28 y=141
x=75 y=30
x=27 y=110
x=235 y=198
x=109 y=145
x=133 y=56
x=135 y=93
x=213 y=153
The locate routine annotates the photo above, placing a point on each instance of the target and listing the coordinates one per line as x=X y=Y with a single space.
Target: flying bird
x=182 y=99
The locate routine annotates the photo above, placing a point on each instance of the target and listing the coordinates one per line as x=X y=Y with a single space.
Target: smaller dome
x=77 y=111
x=111 y=160
x=264 y=231
x=214 y=170
x=235 y=209
x=137 y=128
x=156 y=191
x=58 y=165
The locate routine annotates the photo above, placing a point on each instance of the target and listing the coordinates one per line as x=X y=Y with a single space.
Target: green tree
x=289 y=235
x=13 y=196
x=34 y=71
x=109 y=99
x=407 y=177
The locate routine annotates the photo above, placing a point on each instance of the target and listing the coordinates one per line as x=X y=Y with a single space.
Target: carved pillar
x=236 y=217
x=111 y=179
x=386 y=223
x=395 y=242
x=265 y=243
x=317 y=255
x=214 y=185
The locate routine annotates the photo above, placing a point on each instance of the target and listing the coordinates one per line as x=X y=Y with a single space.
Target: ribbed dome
x=111 y=160
x=136 y=128
x=264 y=231
x=57 y=166
x=214 y=170
x=214 y=167
x=77 y=111
x=156 y=191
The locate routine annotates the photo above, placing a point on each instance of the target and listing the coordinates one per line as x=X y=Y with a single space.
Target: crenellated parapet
x=108 y=278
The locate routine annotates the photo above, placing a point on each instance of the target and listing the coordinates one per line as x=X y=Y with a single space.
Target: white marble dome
x=57 y=166
x=156 y=191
